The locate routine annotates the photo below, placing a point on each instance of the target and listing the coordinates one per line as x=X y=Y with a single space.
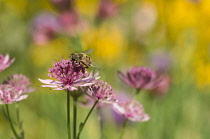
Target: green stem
x=68 y=115
x=123 y=129
x=101 y=123
x=19 y=121
x=75 y=117
x=11 y=124
x=137 y=93
x=17 y=113
x=83 y=124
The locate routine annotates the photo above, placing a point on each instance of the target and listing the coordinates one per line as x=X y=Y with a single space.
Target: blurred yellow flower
x=16 y=7
x=89 y=7
x=21 y=7
x=108 y=43
x=181 y=14
x=203 y=74
x=43 y=56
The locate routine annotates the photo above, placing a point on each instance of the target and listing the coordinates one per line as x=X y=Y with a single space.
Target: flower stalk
x=11 y=123
x=68 y=114
x=123 y=129
x=19 y=122
x=83 y=124
x=100 y=122
x=74 y=117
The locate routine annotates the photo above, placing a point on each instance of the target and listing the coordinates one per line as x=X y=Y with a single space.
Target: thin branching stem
x=19 y=122
x=11 y=123
x=83 y=124
x=123 y=129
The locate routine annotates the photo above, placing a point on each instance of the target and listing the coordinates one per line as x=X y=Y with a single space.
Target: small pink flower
x=72 y=23
x=138 y=77
x=132 y=110
x=101 y=91
x=118 y=118
x=44 y=28
x=20 y=82
x=70 y=75
x=107 y=9
x=5 y=62
x=9 y=94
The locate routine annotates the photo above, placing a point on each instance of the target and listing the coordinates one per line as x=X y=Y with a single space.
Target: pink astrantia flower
x=138 y=77
x=70 y=75
x=118 y=118
x=9 y=94
x=5 y=62
x=44 y=28
x=72 y=23
x=107 y=9
x=132 y=110
x=20 y=82
x=101 y=91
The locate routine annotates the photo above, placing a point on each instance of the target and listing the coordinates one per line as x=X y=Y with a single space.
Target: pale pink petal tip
x=132 y=110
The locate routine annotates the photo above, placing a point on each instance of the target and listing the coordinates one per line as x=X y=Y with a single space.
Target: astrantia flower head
x=44 y=28
x=132 y=110
x=20 y=82
x=9 y=94
x=138 y=77
x=107 y=9
x=5 y=62
x=101 y=91
x=69 y=75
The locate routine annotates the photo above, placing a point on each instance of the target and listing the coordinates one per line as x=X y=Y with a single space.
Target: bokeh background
x=170 y=36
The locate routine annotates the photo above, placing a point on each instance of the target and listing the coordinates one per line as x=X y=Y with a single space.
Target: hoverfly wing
x=93 y=64
x=88 y=51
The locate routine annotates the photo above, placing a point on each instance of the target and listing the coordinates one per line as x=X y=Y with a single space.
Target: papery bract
x=161 y=85
x=5 y=62
x=132 y=110
x=101 y=91
x=70 y=75
x=138 y=77
x=9 y=94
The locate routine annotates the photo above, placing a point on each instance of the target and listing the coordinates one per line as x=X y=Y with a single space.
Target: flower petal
x=48 y=81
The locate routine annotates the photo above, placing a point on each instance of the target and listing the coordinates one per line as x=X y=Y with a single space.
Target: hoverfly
x=83 y=58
